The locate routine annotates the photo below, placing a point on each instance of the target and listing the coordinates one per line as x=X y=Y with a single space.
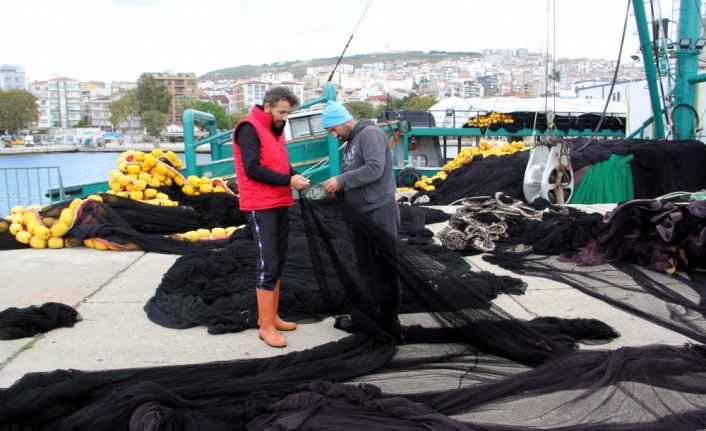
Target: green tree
x=223 y=121
x=239 y=115
x=18 y=110
x=124 y=109
x=185 y=103
x=360 y=109
x=416 y=103
x=153 y=122
x=152 y=96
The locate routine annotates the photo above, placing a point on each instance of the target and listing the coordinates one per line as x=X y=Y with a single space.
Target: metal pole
x=650 y=69
x=687 y=67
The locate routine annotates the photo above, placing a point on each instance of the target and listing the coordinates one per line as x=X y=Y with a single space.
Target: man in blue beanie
x=367 y=183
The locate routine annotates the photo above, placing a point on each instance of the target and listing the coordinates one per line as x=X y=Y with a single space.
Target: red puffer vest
x=273 y=155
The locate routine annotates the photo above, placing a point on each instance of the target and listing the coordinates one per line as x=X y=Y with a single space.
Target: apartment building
x=249 y=93
x=59 y=102
x=180 y=86
x=12 y=77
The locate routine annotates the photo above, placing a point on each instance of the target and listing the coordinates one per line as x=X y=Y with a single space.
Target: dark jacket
x=368 y=179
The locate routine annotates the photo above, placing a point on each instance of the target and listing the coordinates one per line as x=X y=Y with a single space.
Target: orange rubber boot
x=279 y=323
x=266 y=309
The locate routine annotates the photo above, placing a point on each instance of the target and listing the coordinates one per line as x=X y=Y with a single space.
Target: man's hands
x=298 y=182
x=331 y=185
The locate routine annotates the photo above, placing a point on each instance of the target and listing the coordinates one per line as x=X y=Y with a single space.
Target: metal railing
x=27 y=186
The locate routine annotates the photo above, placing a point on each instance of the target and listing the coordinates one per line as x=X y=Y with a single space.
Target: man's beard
x=278 y=130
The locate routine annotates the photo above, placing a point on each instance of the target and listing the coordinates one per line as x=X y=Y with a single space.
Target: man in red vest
x=265 y=183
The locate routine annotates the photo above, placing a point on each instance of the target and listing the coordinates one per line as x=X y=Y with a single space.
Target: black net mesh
x=462 y=363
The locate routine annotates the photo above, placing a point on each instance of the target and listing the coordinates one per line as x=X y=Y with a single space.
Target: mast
x=688 y=47
x=648 y=56
x=684 y=114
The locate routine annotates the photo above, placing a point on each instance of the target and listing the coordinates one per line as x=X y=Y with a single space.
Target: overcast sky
x=106 y=40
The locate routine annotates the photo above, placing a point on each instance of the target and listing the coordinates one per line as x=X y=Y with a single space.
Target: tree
x=153 y=122
x=241 y=113
x=124 y=108
x=185 y=103
x=416 y=103
x=18 y=109
x=360 y=109
x=152 y=96
x=223 y=121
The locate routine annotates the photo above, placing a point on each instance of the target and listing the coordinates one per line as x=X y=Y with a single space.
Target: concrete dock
x=109 y=289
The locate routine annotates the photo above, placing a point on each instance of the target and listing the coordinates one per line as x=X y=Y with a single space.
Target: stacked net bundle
x=657 y=168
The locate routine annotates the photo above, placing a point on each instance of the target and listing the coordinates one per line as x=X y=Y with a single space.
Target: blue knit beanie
x=335 y=114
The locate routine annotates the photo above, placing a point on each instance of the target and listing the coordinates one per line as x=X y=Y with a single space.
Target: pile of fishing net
x=463 y=364
x=657 y=168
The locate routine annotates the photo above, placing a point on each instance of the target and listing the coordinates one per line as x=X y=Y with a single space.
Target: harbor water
x=26 y=187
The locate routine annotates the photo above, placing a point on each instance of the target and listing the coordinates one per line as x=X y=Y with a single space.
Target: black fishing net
x=658 y=168
x=28 y=321
x=462 y=363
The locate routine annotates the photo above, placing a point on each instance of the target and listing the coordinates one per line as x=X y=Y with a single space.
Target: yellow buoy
x=139 y=185
x=59 y=229
x=67 y=216
x=75 y=203
x=161 y=169
x=15 y=227
x=218 y=232
x=32 y=225
x=192 y=236
x=203 y=233
x=193 y=181
x=28 y=216
x=41 y=232
x=188 y=190
x=55 y=242
x=134 y=169
x=157 y=152
x=35 y=242
x=23 y=236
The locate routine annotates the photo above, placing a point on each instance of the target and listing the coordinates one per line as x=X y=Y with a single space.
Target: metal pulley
x=548 y=173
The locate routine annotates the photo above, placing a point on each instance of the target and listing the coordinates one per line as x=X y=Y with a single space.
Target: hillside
x=298 y=67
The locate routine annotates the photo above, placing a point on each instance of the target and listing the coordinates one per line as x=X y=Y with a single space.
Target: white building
x=12 y=77
x=249 y=93
x=64 y=102
x=40 y=90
